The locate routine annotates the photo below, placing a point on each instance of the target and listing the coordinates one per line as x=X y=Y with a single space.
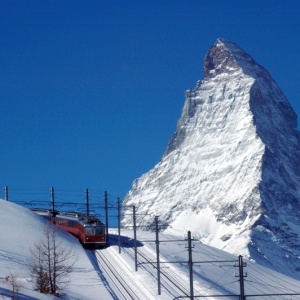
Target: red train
x=90 y=231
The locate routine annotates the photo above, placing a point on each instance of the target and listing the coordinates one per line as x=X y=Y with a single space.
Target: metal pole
x=157 y=256
x=52 y=204
x=190 y=265
x=119 y=224
x=106 y=211
x=241 y=275
x=87 y=202
x=134 y=239
x=6 y=193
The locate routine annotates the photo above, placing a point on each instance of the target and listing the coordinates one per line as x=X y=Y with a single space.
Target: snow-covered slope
x=20 y=228
x=230 y=172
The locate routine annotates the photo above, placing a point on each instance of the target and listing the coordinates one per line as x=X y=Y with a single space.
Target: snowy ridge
x=230 y=172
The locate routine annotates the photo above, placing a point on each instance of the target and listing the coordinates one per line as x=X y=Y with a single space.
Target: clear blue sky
x=91 y=91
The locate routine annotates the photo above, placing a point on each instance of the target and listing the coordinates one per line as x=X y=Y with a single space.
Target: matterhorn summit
x=231 y=171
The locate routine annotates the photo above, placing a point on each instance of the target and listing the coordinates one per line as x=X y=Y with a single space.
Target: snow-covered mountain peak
x=231 y=171
x=227 y=57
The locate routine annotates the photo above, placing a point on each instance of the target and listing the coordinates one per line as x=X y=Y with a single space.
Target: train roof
x=70 y=215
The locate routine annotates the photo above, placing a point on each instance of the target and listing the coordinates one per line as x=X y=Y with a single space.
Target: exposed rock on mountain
x=230 y=172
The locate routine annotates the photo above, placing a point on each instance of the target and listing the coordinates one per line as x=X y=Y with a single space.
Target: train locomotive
x=90 y=231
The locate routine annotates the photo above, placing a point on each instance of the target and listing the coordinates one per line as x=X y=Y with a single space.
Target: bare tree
x=13 y=281
x=51 y=262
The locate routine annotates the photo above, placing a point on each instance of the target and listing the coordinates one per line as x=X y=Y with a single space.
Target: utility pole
x=87 y=202
x=119 y=223
x=6 y=193
x=52 y=204
x=52 y=199
x=241 y=276
x=157 y=256
x=190 y=262
x=106 y=212
x=134 y=238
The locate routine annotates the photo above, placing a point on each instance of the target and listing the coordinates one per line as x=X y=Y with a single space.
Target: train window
x=99 y=230
x=89 y=231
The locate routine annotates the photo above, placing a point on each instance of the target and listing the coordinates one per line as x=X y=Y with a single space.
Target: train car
x=90 y=231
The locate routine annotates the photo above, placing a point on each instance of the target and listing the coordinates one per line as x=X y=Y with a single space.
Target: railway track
x=116 y=279
x=118 y=272
x=171 y=282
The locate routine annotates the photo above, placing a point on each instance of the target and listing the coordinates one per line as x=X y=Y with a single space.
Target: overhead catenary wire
x=198 y=255
x=271 y=277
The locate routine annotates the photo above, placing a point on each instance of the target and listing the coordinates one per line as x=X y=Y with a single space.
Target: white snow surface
x=230 y=173
x=21 y=228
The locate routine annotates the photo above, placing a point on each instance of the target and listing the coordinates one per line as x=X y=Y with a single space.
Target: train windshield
x=94 y=230
x=99 y=230
x=89 y=231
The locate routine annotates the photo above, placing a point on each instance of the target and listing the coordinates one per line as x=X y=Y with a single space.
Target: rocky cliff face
x=230 y=172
